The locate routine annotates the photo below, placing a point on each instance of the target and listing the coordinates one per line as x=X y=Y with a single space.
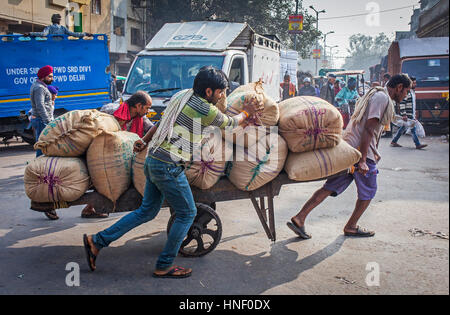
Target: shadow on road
x=127 y=269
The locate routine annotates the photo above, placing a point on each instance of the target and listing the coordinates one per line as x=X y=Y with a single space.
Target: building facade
x=121 y=20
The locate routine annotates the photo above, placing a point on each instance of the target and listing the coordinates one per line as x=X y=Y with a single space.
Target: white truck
x=173 y=57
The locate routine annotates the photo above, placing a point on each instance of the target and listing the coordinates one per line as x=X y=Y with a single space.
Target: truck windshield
x=428 y=72
x=167 y=74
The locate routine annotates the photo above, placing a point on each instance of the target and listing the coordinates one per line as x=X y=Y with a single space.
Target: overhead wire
x=366 y=13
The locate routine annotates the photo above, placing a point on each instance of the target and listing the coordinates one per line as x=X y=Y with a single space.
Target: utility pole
x=317 y=27
x=325 y=44
x=295 y=35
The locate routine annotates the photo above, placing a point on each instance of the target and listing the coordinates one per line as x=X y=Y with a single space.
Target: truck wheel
x=204 y=234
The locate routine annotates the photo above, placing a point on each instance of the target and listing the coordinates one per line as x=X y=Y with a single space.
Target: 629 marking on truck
x=189 y=37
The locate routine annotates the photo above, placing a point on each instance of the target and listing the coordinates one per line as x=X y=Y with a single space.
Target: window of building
x=119 y=26
x=136 y=38
x=96 y=7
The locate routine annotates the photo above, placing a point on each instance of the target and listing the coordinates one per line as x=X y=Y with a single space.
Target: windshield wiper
x=163 y=90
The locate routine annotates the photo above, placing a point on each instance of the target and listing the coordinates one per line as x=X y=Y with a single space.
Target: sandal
x=172 y=271
x=51 y=215
x=360 y=233
x=89 y=255
x=300 y=231
x=94 y=215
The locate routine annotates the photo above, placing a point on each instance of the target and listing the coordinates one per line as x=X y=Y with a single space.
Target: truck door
x=237 y=73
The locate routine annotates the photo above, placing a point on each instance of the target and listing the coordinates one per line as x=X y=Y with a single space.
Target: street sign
x=295 y=24
x=316 y=53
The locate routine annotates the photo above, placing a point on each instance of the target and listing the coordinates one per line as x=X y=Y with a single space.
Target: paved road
x=413 y=193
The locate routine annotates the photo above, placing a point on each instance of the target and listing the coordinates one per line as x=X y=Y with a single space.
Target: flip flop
x=171 y=273
x=300 y=231
x=89 y=254
x=51 y=215
x=94 y=215
x=360 y=233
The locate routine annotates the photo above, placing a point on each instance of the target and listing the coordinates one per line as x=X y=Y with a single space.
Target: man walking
x=407 y=109
x=373 y=111
x=42 y=104
x=173 y=141
x=327 y=90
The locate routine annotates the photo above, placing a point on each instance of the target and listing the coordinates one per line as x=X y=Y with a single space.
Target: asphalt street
x=408 y=255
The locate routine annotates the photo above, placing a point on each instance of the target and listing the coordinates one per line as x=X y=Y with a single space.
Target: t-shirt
x=354 y=131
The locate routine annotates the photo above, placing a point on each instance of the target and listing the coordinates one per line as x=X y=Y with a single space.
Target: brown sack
x=321 y=163
x=214 y=155
x=109 y=160
x=268 y=117
x=263 y=162
x=72 y=133
x=139 y=178
x=54 y=179
x=309 y=123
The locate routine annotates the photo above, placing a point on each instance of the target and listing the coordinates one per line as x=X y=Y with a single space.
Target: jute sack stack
x=109 y=160
x=263 y=162
x=209 y=165
x=309 y=123
x=321 y=163
x=54 y=179
x=72 y=133
x=138 y=175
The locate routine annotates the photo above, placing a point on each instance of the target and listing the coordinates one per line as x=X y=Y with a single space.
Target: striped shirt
x=195 y=116
x=407 y=106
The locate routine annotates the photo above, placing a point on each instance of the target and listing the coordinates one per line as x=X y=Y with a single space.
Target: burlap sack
x=321 y=163
x=309 y=123
x=214 y=155
x=268 y=117
x=138 y=175
x=109 y=160
x=271 y=113
x=263 y=162
x=53 y=179
x=72 y=133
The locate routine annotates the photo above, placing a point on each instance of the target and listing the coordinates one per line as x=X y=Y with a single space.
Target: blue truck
x=81 y=72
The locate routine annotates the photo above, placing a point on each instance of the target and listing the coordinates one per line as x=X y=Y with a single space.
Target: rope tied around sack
x=51 y=180
x=257 y=169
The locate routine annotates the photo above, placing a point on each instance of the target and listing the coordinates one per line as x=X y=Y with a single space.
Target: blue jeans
x=167 y=181
x=38 y=126
x=413 y=134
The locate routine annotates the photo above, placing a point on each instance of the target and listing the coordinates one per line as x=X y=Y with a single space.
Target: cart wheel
x=204 y=234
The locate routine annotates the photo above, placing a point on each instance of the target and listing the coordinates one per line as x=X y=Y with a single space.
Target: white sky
x=390 y=22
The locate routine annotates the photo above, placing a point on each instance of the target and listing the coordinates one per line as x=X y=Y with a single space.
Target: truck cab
x=172 y=59
x=426 y=59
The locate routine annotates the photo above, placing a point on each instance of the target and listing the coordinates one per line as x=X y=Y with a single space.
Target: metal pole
x=295 y=35
x=317 y=42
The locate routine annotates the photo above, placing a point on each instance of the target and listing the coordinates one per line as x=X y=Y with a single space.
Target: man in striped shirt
x=173 y=140
x=407 y=109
